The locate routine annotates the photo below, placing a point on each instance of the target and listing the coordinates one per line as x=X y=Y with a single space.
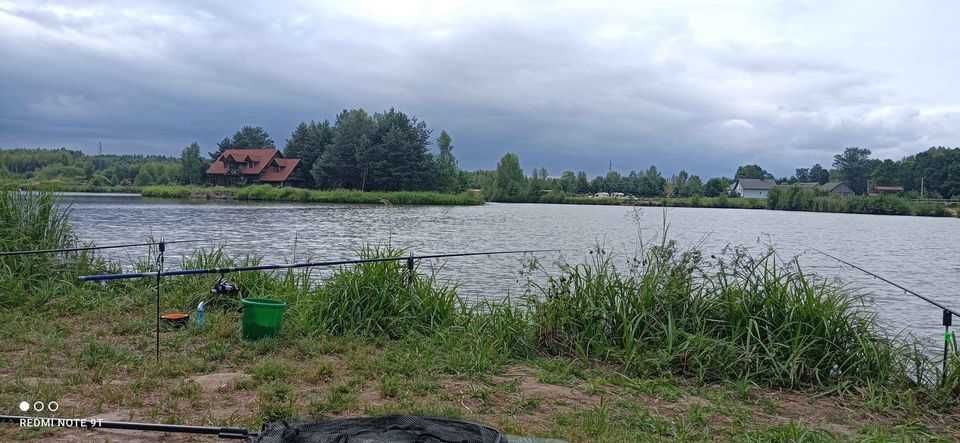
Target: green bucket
x=261 y=317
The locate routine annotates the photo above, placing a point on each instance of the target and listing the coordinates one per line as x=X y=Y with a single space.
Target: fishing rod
x=95 y=423
x=892 y=283
x=948 y=313
x=409 y=259
x=94 y=248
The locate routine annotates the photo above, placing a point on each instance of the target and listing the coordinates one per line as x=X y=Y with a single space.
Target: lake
x=920 y=253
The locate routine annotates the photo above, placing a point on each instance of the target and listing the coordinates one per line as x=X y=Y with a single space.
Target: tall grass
x=744 y=318
x=32 y=221
x=380 y=299
x=795 y=198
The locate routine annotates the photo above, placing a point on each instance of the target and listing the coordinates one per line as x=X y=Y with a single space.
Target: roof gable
x=260 y=157
x=281 y=171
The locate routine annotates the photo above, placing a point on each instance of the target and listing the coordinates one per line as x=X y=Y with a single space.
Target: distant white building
x=753 y=187
x=601 y=195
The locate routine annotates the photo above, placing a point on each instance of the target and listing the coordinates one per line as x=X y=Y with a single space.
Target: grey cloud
x=157 y=76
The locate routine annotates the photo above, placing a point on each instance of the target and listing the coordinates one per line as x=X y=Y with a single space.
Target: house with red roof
x=252 y=166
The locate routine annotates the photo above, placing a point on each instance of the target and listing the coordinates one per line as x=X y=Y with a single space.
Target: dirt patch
x=217 y=382
x=529 y=387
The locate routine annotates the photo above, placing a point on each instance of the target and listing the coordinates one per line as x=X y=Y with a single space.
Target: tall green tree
x=448 y=171
x=818 y=174
x=399 y=157
x=886 y=173
x=694 y=186
x=338 y=166
x=192 y=167
x=853 y=167
x=248 y=137
x=568 y=182
x=308 y=142
x=678 y=184
x=714 y=187
x=652 y=183
x=509 y=183
x=583 y=183
x=753 y=171
x=144 y=177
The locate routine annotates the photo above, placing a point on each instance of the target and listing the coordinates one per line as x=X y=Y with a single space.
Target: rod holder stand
x=947 y=318
x=410 y=270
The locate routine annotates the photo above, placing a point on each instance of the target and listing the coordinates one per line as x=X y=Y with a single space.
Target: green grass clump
x=380 y=299
x=35 y=221
x=749 y=319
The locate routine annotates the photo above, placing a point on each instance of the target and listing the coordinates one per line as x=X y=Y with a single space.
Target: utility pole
x=921 y=186
x=100 y=148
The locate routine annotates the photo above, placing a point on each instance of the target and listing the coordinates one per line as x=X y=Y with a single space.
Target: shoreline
x=849 y=205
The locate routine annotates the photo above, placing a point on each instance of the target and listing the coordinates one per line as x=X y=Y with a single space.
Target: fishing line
x=889 y=282
x=94 y=248
x=947 y=321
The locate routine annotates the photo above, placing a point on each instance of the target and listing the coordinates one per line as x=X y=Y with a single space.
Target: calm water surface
x=920 y=253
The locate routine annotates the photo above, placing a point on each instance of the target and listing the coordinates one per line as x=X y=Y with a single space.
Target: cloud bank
x=698 y=85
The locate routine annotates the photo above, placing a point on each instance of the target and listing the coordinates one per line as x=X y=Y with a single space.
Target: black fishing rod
x=94 y=248
x=409 y=259
x=892 y=283
x=95 y=423
x=948 y=313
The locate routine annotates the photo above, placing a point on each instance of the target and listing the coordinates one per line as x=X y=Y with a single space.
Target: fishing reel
x=225 y=294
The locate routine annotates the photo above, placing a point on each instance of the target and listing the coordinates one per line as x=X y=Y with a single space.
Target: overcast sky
x=698 y=85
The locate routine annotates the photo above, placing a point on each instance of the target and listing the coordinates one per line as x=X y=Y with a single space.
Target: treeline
x=70 y=166
x=508 y=183
x=934 y=173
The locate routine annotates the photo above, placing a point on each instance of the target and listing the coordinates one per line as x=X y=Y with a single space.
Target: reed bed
x=288 y=194
x=32 y=221
x=751 y=318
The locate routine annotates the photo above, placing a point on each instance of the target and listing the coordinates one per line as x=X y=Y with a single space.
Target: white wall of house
x=749 y=193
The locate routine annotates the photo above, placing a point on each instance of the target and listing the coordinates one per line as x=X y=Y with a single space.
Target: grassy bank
x=62 y=186
x=786 y=200
x=271 y=193
x=674 y=346
x=692 y=202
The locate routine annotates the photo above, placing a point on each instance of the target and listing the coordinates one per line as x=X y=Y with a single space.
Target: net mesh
x=394 y=429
